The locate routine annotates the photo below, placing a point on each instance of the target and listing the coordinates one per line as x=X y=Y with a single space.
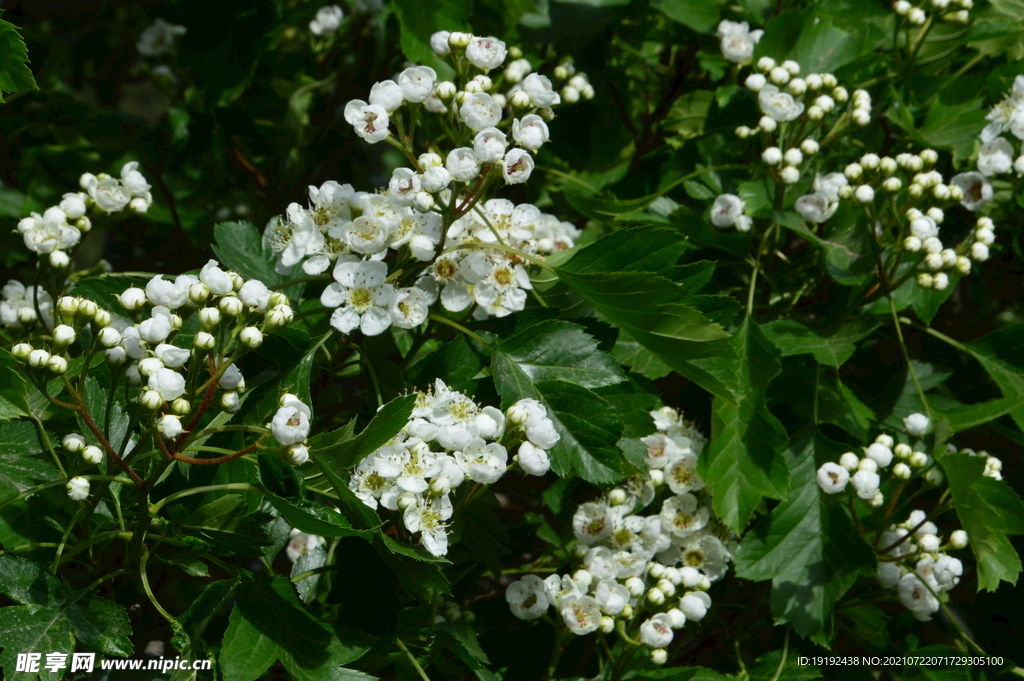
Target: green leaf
x=310 y=560
x=823 y=47
x=240 y=247
x=13 y=389
x=832 y=349
x=954 y=126
x=28 y=583
x=1001 y=353
x=689 y=112
x=989 y=510
x=639 y=359
x=419 y=20
x=742 y=463
x=15 y=75
x=100 y=624
x=386 y=423
x=807 y=546
x=558 y=364
x=700 y=15
x=246 y=653
x=228 y=527
x=31 y=628
x=657 y=312
x=19 y=469
x=188 y=640
x=312 y=518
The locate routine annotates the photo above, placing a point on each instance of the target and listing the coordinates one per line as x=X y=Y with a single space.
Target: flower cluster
x=955 y=11
x=449 y=439
x=473 y=250
x=863 y=472
x=650 y=569
x=59 y=229
x=20 y=305
x=913 y=561
x=290 y=427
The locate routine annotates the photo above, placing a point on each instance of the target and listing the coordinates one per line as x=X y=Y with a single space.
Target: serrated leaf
x=28 y=583
x=557 y=350
x=228 y=527
x=15 y=76
x=807 y=546
x=240 y=247
x=419 y=20
x=1001 y=353
x=742 y=464
x=989 y=510
x=386 y=423
x=19 y=468
x=32 y=628
x=310 y=560
x=100 y=624
x=700 y=15
x=314 y=519
x=832 y=349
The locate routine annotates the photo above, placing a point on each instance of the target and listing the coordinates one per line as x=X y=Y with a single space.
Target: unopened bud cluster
x=916 y=14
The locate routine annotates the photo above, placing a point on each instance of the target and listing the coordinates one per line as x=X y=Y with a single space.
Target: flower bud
x=809 y=147
x=73 y=443
x=102 y=319
x=853 y=171
x=151 y=400
x=607 y=625
x=67 y=306
x=912 y=244
x=743 y=132
x=251 y=337
x=797 y=87
x=204 y=341
x=864 y=193
x=778 y=75
x=667 y=587
x=918 y=459
x=109 y=337
x=941 y=192
x=877 y=500
x=790 y=175
x=520 y=99
x=209 y=317
x=767 y=123
x=656 y=570
x=92 y=455
x=26 y=315
x=63 y=335
x=849 y=461
x=963 y=265
x=169 y=426
x=929 y=156
x=655 y=596
x=149 y=366
x=21 y=351
x=659 y=656
x=279 y=315
x=116 y=356
x=229 y=402
x=38 y=358
x=87 y=308
x=934 y=476
x=617 y=497
x=657 y=477
x=958 y=539
x=901 y=471
x=772 y=156
x=133 y=299
x=59 y=259
x=793 y=157
x=180 y=406
x=902 y=450
x=925 y=280
x=78 y=488
x=57 y=365
x=231 y=306
x=765 y=64
x=892 y=184
x=198 y=293
x=635 y=585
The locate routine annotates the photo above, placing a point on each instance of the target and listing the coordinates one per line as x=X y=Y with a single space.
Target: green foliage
x=15 y=75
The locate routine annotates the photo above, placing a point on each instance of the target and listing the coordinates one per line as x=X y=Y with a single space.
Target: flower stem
x=412 y=659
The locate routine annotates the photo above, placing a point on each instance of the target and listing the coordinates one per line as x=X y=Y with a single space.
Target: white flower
x=169 y=426
x=78 y=488
x=680 y=515
x=541 y=93
x=417 y=82
x=540 y=430
x=386 y=94
x=657 y=631
x=916 y=597
x=300 y=543
x=489 y=145
x=328 y=20
x=517 y=166
x=169 y=384
x=1008 y=114
x=361 y=296
x=531 y=132
x=409 y=307
x=532 y=459
x=528 y=598
x=681 y=474
x=880 y=454
x=592 y=522
x=133 y=180
x=439 y=43
x=168 y=294
x=291 y=422
x=611 y=596
x=995 y=157
x=888 y=574
x=232 y=379
x=976 y=188
x=486 y=53
x=725 y=210
x=695 y=605
x=482 y=462
x=462 y=164
x=738 y=40
x=866 y=483
x=171 y=355
x=815 y=207
x=581 y=614
x=404 y=185
x=158 y=38
x=780 y=106
x=661 y=450
x=215 y=278
x=427 y=517
x=157 y=328
x=255 y=295
x=480 y=111
x=435 y=178
x=917 y=424
x=370 y=121
x=832 y=478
